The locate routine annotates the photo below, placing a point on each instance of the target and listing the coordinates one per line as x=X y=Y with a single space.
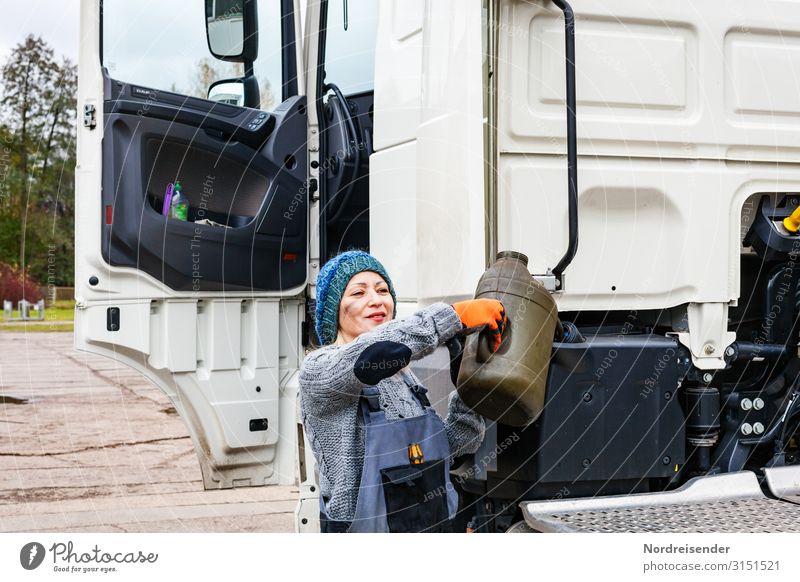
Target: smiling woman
x=383 y=453
x=365 y=304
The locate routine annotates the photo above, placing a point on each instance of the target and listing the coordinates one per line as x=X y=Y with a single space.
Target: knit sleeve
x=465 y=428
x=333 y=376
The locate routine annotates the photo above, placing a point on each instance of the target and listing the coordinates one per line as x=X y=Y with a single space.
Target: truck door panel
x=209 y=309
x=245 y=180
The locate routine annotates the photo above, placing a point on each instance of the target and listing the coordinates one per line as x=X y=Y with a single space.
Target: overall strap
x=369 y=402
x=417 y=389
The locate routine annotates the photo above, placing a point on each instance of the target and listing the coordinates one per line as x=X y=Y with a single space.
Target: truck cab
x=434 y=135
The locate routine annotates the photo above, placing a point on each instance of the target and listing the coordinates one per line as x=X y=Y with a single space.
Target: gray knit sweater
x=331 y=380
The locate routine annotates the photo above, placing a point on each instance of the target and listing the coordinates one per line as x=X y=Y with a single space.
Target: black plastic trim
x=264 y=252
x=323 y=31
x=222 y=120
x=289 y=58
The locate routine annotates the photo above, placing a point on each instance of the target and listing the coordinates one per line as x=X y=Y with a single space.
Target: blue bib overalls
x=405 y=483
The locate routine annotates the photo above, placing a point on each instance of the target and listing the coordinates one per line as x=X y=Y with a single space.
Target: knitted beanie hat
x=331 y=283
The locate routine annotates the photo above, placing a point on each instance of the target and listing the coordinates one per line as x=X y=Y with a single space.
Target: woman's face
x=366 y=304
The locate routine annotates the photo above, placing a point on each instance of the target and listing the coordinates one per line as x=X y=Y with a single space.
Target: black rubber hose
x=749 y=350
x=572 y=140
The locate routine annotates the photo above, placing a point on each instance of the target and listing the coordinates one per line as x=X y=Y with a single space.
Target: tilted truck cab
x=434 y=135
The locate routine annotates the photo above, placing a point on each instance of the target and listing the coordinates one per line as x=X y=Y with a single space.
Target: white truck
x=435 y=134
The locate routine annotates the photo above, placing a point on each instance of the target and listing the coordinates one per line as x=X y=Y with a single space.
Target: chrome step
x=732 y=502
x=784 y=482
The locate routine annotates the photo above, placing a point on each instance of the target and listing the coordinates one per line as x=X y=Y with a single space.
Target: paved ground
x=88 y=445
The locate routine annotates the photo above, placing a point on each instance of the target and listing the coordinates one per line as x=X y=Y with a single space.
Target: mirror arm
x=252 y=94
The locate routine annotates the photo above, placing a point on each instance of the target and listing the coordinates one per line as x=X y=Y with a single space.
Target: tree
x=37 y=121
x=27 y=74
x=210 y=70
x=61 y=130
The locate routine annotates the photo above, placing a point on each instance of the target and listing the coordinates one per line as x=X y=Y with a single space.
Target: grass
x=37 y=327
x=57 y=317
x=63 y=310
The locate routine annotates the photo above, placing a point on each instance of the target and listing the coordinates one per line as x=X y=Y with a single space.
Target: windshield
x=162 y=45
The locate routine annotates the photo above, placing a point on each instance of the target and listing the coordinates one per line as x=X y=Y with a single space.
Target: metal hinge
x=89 y=116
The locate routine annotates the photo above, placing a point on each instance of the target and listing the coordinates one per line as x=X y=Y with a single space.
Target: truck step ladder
x=733 y=502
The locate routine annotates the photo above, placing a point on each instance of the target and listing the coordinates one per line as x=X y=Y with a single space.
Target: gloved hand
x=488 y=312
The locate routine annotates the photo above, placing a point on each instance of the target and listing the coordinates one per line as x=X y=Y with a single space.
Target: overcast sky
x=54 y=20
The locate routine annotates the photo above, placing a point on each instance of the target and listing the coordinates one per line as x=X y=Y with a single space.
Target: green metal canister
x=508 y=386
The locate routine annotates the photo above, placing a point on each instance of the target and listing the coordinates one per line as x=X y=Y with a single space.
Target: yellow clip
x=792 y=222
x=415 y=454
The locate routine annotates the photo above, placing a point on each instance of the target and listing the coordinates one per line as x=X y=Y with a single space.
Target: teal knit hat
x=331 y=283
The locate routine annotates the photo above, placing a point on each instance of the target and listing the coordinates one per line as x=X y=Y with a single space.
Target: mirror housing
x=241 y=92
x=232 y=30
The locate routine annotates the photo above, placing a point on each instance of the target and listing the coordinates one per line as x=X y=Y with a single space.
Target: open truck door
x=208 y=306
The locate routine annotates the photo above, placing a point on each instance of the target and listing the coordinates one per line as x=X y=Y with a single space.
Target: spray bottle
x=179 y=207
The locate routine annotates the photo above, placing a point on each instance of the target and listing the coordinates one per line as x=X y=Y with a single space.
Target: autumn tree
x=37 y=124
x=210 y=70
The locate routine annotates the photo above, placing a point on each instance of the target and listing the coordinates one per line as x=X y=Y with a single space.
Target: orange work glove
x=488 y=312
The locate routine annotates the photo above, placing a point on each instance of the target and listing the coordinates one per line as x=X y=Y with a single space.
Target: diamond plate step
x=720 y=503
x=784 y=482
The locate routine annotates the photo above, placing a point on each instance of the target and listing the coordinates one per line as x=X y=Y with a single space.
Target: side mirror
x=232 y=29
x=239 y=92
x=230 y=91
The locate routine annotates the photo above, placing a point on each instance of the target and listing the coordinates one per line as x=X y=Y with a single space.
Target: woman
x=383 y=453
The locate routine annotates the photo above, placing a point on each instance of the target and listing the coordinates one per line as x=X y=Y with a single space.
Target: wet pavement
x=89 y=445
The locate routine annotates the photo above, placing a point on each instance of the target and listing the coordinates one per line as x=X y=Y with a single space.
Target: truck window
x=350 y=53
x=163 y=46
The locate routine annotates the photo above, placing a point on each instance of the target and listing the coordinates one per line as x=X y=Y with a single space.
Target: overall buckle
x=415 y=454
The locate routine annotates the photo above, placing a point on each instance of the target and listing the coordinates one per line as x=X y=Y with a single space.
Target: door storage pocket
x=416 y=497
